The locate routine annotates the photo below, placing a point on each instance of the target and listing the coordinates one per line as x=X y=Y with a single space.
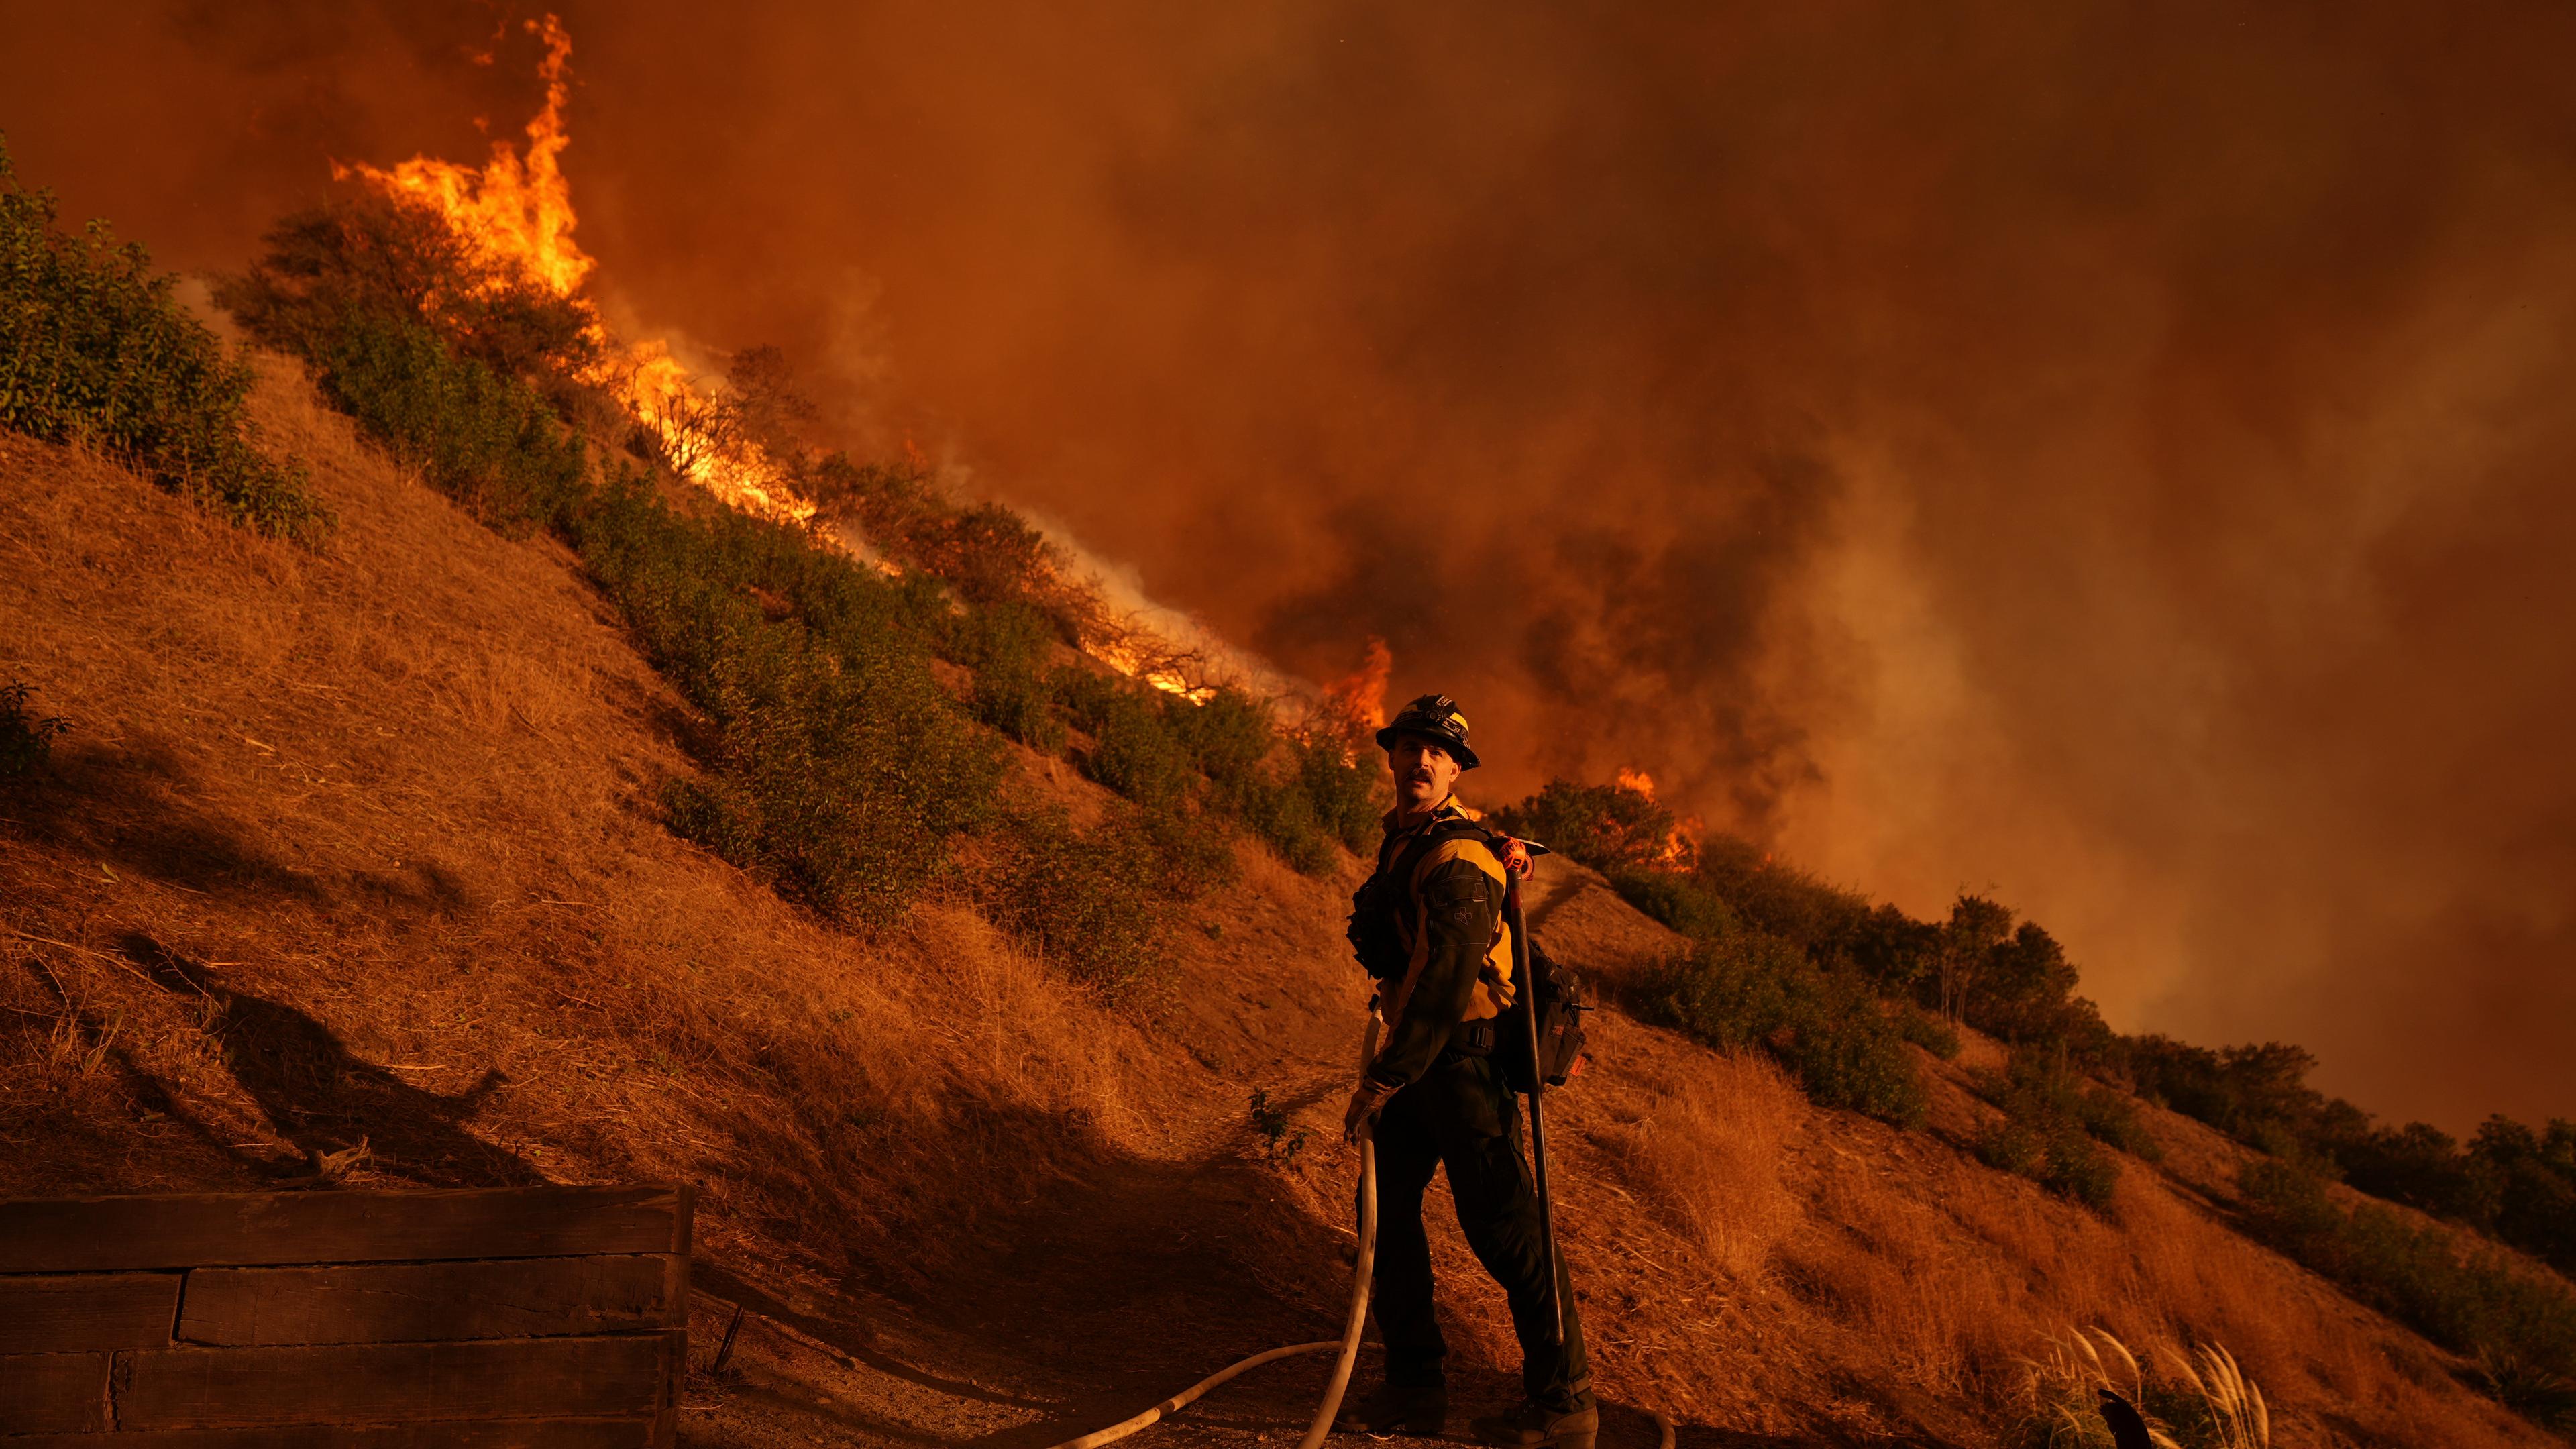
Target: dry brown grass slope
x=361 y=847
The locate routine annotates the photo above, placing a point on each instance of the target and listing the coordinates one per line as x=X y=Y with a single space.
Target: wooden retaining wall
x=550 y=1316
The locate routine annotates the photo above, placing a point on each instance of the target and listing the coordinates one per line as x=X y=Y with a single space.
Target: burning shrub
x=392 y=257
x=1606 y=827
x=93 y=349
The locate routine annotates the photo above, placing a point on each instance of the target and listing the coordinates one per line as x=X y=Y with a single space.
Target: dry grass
x=336 y=840
x=363 y=846
x=1705 y=1149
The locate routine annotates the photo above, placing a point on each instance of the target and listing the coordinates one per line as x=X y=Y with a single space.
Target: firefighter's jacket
x=1458 y=966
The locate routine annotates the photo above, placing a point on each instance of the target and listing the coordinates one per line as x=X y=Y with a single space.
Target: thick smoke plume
x=2114 y=456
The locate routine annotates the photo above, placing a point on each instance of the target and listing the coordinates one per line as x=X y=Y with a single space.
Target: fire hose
x=1348 y=1343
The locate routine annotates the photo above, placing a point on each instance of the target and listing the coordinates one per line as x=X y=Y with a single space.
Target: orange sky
x=2112 y=456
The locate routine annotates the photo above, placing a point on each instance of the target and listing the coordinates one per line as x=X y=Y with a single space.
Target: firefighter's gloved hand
x=1367 y=1099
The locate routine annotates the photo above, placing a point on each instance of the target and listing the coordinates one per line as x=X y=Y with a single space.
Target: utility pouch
x=1555 y=992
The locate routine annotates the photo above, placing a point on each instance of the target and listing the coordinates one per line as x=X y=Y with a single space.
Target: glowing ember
x=516 y=212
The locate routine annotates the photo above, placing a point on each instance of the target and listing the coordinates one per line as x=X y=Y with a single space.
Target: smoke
x=2112 y=456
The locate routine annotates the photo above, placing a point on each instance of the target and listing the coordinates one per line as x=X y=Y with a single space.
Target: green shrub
x=1927 y=1031
x=1826 y=1027
x=487 y=441
x=94 y=350
x=2052 y=1121
x=840 y=768
x=2053 y=1153
x=1606 y=827
x=1084 y=902
x=26 y=737
x=1846 y=1053
x=2519 y=1322
x=1676 y=900
x=1730 y=991
x=399 y=258
x=1008 y=646
x=1233 y=741
x=1346 y=788
x=1134 y=749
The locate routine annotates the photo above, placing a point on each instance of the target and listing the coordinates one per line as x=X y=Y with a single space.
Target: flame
x=1133 y=663
x=516 y=212
x=1680 y=847
x=1359 y=698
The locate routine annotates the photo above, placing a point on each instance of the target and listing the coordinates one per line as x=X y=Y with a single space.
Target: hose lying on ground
x=1349 y=1343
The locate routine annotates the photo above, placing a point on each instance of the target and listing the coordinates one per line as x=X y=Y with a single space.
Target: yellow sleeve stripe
x=1474 y=852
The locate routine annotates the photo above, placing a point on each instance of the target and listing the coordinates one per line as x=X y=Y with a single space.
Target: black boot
x=1395 y=1409
x=1535 y=1426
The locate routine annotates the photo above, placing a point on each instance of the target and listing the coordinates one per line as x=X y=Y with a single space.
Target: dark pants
x=1460 y=1113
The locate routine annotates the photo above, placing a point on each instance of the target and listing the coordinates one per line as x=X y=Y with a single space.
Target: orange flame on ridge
x=517 y=213
x=1637 y=780
x=1359 y=698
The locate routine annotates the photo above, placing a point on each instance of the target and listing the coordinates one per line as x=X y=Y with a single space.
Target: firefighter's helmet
x=1433 y=717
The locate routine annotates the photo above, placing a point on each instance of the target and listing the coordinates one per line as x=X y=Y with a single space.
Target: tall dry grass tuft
x=1705 y=1151
x=2062 y=1390
x=2202 y=1400
x=2238 y=1417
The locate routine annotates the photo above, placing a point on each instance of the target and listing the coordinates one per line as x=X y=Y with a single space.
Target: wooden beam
x=403 y=1302
x=78 y=1312
x=259 y=1229
x=446 y=1434
x=214 y=1388
x=53 y=1393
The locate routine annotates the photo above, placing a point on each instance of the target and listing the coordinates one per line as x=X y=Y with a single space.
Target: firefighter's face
x=1424 y=772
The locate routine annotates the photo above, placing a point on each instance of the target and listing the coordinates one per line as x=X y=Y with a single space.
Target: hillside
x=364 y=847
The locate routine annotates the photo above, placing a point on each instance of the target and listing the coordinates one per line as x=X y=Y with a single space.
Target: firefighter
x=1429 y=926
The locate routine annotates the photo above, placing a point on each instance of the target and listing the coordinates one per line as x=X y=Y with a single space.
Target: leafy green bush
x=2053 y=1153
x=2052 y=1119
x=1346 y=788
x=2519 y=1322
x=1606 y=827
x=26 y=737
x=1096 y=904
x=1827 y=1027
x=1927 y=1031
x=398 y=258
x=1676 y=900
x=1236 y=745
x=487 y=441
x=840 y=768
x=1134 y=750
x=94 y=350
x=1008 y=646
